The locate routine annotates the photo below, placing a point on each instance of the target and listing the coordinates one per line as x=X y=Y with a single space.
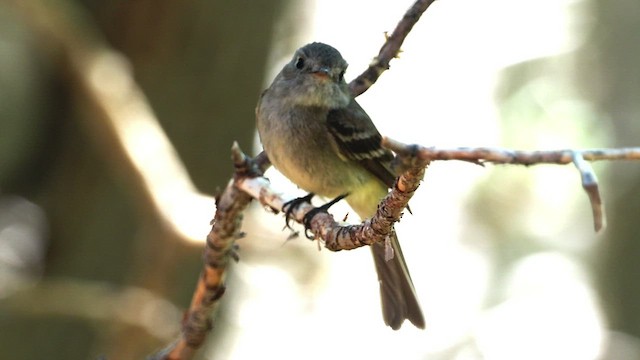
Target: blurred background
x=116 y=122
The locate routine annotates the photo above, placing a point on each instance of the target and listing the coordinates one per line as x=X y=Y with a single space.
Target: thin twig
x=390 y=49
x=483 y=155
x=505 y=156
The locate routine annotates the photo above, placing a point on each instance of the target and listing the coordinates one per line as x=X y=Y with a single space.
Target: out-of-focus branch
x=98 y=301
x=390 y=49
x=122 y=124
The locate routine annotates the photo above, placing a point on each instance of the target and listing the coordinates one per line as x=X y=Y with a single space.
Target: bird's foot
x=290 y=206
x=306 y=220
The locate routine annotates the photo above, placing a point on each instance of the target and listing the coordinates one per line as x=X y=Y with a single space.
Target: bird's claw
x=290 y=206
x=306 y=220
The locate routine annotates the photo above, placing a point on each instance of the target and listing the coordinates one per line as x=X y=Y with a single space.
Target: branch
x=504 y=156
x=248 y=183
x=483 y=155
x=413 y=159
x=220 y=247
x=390 y=49
x=338 y=235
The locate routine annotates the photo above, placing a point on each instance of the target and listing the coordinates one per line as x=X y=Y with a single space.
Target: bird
x=316 y=134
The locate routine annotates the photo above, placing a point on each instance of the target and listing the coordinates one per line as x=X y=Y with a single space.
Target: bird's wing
x=355 y=137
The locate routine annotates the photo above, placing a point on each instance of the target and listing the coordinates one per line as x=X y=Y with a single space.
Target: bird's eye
x=341 y=76
x=300 y=63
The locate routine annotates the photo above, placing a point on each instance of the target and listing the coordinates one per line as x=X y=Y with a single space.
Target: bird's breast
x=298 y=145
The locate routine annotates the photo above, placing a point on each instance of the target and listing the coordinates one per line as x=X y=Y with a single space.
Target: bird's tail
x=399 y=300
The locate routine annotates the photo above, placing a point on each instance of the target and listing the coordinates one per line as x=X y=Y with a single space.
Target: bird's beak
x=322 y=73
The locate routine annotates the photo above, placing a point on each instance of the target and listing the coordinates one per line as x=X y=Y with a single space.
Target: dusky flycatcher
x=317 y=135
